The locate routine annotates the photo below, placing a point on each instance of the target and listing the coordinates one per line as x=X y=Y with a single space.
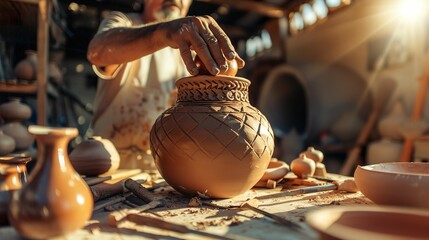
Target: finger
x=185 y=53
x=240 y=62
x=200 y=46
x=215 y=50
x=224 y=42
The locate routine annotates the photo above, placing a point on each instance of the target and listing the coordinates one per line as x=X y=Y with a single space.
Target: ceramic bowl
x=369 y=222
x=396 y=183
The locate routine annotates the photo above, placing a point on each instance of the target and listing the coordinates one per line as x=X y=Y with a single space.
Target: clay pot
x=56 y=200
x=15 y=110
x=18 y=162
x=26 y=69
x=317 y=157
x=314 y=154
x=9 y=181
x=19 y=133
x=7 y=144
x=95 y=156
x=303 y=167
x=398 y=183
x=212 y=143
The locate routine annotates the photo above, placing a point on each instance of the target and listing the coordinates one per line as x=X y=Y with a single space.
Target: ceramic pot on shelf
x=15 y=111
x=56 y=200
x=26 y=69
x=95 y=156
x=9 y=182
x=7 y=144
x=16 y=130
x=212 y=143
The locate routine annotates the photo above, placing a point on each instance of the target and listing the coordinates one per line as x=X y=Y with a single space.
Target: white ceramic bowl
x=369 y=222
x=396 y=183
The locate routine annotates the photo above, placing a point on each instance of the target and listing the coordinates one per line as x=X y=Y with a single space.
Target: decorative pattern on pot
x=212 y=143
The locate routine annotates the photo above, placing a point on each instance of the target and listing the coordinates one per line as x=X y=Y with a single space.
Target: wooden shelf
x=30 y=88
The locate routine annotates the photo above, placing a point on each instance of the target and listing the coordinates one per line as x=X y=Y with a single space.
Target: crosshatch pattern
x=223 y=133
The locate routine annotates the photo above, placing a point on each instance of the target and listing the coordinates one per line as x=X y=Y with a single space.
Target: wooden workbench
x=234 y=223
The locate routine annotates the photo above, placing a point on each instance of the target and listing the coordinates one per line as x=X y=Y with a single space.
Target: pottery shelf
x=29 y=88
x=40 y=89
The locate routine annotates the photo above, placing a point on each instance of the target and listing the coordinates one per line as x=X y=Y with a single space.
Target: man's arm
x=200 y=34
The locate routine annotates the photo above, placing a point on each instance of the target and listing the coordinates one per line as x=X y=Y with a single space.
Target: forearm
x=125 y=44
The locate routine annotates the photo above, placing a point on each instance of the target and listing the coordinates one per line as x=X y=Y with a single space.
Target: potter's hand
x=203 y=35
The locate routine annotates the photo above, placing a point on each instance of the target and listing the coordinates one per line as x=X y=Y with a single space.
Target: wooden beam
x=251 y=6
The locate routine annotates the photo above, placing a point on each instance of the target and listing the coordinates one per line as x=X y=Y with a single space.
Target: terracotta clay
x=9 y=181
x=95 y=156
x=275 y=171
x=231 y=71
x=15 y=110
x=396 y=183
x=317 y=156
x=369 y=222
x=56 y=200
x=212 y=143
x=303 y=167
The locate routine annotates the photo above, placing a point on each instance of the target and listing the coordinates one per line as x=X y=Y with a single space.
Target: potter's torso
x=140 y=99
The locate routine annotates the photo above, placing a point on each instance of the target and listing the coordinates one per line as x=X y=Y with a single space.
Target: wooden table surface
x=230 y=222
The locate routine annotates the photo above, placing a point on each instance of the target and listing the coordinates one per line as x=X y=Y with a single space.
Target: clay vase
x=212 y=143
x=15 y=111
x=18 y=162
x=16 y=130
x=303 y=167
x=9 y=182
x=26 y=68
x=56 y=200
x=95 y=156
x=317 y=156
x=7 y=144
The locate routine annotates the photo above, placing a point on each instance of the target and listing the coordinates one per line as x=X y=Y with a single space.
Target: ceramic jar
x=26 y=68
x=212 y=143
x=16 y=130
x=18 y=162
x=15 y=110
x=9 y=182
x=383 y=151
x=7 y=144
x=317 y=156
x=95 y=156
x=56 y=200
x=303 y=167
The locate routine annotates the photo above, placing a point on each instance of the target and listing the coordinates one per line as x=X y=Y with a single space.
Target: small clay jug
x=16 y=130
x=303 y=167
x=95 y=156
x=9 y=182
x=18 y=162
x=7 y=144
x=213 y=142
x=26 y=68
x=317 y=156
x=56 y=200
x=15 y=111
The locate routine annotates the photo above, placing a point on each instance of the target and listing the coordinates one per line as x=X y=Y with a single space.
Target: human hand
x=203 y=35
